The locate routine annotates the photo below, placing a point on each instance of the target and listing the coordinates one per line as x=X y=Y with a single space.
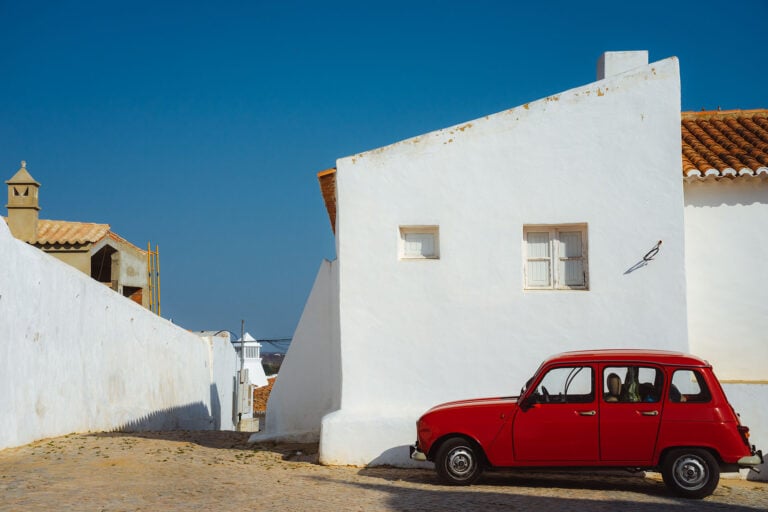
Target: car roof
x=664 y=357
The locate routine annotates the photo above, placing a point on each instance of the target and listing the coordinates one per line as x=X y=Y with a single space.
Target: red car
x=633 y=409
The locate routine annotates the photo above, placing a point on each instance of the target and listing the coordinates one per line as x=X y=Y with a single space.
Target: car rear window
x=688 y=386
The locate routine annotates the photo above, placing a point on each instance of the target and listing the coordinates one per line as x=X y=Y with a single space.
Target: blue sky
x=200 y=126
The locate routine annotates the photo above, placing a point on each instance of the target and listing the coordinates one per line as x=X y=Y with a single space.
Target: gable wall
x=415 y=333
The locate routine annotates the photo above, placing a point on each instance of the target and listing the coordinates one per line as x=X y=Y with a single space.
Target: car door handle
x=587 y=413
x=649 y=413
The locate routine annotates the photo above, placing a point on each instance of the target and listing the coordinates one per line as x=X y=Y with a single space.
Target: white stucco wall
x=726 y=244
x=416 y=333
x=76 y=356
x=222 y=376
x=308 y=385
x=749 y=402
x=726 y=231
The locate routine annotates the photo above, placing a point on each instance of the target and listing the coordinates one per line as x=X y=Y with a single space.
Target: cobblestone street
x=220 y=471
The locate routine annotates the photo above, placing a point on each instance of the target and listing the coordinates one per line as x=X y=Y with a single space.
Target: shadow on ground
x=540 y=491
x=225 y=440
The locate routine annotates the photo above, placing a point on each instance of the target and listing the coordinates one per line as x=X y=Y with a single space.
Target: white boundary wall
x=77 y=357
x=223 y=373
x=417 y=333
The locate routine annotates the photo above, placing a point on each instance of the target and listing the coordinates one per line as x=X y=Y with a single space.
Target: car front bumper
x=417 y=454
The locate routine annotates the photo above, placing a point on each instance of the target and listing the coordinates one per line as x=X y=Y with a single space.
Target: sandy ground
x=221 y=471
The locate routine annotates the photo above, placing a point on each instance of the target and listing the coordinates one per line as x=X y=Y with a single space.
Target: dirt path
x=221 y=471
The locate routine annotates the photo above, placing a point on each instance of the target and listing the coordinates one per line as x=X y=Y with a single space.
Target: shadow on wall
x=742 y=191
x=215 y=407
x=186 y=417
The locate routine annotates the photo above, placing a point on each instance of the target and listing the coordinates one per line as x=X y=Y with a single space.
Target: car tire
x=459 y=462
x=691 y=472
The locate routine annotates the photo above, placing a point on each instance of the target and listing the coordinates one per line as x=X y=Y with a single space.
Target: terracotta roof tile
x=261 y=396
x=327 y=181
x=63 y=232
x=50 y=232
x=725 y=143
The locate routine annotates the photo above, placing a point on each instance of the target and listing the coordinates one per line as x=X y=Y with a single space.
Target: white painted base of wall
x=387 y=438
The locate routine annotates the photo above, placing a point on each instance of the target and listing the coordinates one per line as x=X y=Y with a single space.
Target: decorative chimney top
x=23 y=204
x=614 y=63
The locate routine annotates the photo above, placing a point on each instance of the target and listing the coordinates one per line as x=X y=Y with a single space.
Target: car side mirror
x=527 y=402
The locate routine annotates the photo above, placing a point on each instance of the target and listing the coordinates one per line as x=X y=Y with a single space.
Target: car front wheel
x=458 y=462
x=691 y=473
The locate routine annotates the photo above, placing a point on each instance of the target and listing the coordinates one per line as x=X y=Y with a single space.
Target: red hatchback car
x=633 y=409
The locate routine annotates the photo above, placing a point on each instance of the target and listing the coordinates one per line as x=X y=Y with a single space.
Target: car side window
x=572 y=384
x=632 y=384
x=688 y=386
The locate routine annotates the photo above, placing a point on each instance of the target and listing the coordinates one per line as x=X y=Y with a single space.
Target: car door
x=629 y=419
x=559 y=421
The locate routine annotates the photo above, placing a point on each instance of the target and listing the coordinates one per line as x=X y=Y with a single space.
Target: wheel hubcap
x=460 y=462
x=691 y=472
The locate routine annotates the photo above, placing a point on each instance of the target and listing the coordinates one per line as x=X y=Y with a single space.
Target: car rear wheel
x=458 y=462
x=691 y=472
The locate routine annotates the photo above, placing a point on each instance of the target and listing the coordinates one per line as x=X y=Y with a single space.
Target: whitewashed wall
x=309 y=383
x=749 y=401
x=726 y=231
x=76 y=357
x=726 y=245
x=222 y=376
x=416 y=333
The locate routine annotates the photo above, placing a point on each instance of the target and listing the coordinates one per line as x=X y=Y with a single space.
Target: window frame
x=557 y=398
x=621 y=370
x=404 y=231
x=554 y=258
x=680 y=396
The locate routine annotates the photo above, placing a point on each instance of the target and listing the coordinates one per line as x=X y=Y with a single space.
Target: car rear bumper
x=751 y=461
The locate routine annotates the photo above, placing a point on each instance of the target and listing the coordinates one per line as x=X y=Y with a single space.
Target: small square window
x=555 y=257
x=419 y=242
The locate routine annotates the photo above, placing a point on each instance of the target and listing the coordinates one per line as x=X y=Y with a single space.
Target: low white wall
x=309 y=383
x=76 y=356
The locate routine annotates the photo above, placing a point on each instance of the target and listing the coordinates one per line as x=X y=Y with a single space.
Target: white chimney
x=613 y=63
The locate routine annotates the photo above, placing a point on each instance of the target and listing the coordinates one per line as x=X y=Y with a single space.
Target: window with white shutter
x=419 y=242
x=555 y=257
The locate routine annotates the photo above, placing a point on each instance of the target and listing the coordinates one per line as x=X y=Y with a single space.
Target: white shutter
x=538 y=268
x=571 y=258
x=419 y=245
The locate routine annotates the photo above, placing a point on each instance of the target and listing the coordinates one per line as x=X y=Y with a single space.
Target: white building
x=251 y=359
x=469 y=254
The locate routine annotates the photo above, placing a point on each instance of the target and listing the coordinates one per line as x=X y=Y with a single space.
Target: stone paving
x=177 y=471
